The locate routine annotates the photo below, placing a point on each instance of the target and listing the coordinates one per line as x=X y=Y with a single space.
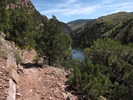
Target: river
x=77 y=52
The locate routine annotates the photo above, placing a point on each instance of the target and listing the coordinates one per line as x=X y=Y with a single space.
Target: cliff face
x=29 y=7
x=19 y=4
x=37 y=17
x=8 y=70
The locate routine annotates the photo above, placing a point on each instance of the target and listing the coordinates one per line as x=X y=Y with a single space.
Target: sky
x=69 y=10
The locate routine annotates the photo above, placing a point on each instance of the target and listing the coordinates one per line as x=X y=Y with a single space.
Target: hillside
x=36 y=61
x=117 y=26
x=28 y=79
x=66 y=29
x=78 y=23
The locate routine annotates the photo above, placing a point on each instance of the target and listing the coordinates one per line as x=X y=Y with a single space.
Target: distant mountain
x=66 y=29
x=118 y=26
x=131 y=12
x=78 y=23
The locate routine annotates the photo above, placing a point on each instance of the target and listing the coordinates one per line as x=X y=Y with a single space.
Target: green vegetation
x=66 y=29
x=4 y=52
x=108 y=67
x=4 y=20
x=116 y=26
x=17 y=56
x=78 y=23
x=107 y=71
x=22 y=28
x=51 y=43
x=36 y=58
x=32 y=30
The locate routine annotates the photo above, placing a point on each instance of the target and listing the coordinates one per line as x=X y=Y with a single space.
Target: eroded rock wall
x=8 y=70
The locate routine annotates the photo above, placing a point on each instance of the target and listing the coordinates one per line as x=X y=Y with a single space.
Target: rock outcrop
x=8 y=70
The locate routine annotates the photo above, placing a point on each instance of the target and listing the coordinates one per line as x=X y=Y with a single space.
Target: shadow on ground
x=75 y=92
x=31 y=65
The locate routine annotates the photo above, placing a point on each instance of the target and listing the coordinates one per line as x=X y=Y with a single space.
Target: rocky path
x=46 y=83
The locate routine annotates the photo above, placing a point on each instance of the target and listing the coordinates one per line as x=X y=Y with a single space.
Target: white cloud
x=117 y=7
x=66 y=4
x=73 y=7
x=85 y=10
x=55 y=11
x=72 y=11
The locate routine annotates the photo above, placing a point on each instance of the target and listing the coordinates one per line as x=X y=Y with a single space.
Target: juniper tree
x=52 y=43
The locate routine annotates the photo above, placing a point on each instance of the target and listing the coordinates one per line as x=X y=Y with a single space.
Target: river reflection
x=77 y=52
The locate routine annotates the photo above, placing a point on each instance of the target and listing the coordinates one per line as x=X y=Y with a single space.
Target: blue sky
x=69 y=10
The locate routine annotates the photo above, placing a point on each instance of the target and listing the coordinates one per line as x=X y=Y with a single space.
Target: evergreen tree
x=4 y=21
x=115 y=59
x=107 y=71
x=22 y=28
x=52 y=43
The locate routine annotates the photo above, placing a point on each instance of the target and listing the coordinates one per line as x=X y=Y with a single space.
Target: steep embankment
x=8 y=69
x=29 y=80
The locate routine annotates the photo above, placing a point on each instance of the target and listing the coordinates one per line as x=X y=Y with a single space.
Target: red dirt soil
x=47 y=83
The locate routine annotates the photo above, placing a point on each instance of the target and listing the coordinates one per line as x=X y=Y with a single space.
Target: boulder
x=11 y=90
x=15 y=75
x=40 y=61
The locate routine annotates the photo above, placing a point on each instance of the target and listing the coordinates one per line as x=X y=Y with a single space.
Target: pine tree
x=22 y=28
x=4 y=21
x=52 y=43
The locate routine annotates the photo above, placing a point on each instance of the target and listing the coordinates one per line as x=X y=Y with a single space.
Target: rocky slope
x=29 y=7
x=37 y=17
x=46 y=83
x=8 y=69
x=29 y=81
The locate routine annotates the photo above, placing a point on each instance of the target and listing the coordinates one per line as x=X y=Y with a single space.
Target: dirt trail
x=46 y=83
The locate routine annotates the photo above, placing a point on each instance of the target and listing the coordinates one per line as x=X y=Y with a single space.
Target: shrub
x=12 y=66
x=107 y=71
x=17 y=56
x=35 y=59
x=4 y=53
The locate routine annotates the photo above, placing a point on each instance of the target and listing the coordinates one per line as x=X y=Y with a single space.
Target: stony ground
x=35 y=83
x=47 y=83
x=4 y=80
x=4 y=75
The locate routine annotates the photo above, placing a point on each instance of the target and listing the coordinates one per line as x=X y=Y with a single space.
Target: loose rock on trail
x=47 y=83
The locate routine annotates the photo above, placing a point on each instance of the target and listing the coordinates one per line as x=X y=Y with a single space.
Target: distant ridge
x=78 y=23
x=66 y=29
x=117 y=26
